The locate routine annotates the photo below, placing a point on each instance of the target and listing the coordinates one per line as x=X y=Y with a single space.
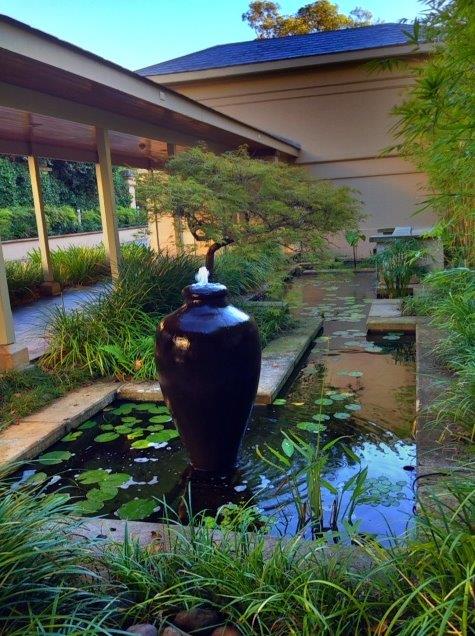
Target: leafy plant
x=353 y=237
x=234 y=199
x=398 y=263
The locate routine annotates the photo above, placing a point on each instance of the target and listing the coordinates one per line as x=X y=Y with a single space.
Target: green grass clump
x=76 y=265
x=24 y=279
x=23 y=392
x=449 y=300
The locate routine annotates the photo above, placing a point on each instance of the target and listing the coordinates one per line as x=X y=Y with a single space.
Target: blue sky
x=137 y=33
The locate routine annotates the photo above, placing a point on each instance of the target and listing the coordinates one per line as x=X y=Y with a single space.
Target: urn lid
x=205 y=293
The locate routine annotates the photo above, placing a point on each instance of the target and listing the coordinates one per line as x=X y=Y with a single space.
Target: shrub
x=397 y=264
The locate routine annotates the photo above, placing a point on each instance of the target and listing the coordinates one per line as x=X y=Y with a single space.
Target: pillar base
x=50 y=288
x=13 y=356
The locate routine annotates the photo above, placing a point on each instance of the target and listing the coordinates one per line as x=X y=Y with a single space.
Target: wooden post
x=105 y=187
x=12 y=355
x=49 y=287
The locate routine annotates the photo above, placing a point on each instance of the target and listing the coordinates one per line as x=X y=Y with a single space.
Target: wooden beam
x=105 y=187
x=35 y=179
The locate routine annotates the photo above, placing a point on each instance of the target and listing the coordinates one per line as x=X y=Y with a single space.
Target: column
x=105 y=187
x=49 y=287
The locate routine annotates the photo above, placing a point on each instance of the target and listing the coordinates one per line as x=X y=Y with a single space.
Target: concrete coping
x=385 y=314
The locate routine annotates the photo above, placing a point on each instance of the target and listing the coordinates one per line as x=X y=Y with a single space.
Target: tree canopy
x=436 y=122
x=266 y=19
x=234 y=199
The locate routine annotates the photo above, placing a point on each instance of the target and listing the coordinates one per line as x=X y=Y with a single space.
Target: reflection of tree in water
x=402 y=351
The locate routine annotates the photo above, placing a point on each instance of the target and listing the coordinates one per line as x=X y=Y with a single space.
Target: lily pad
x=102 y=494
x=324 y=401
x=36 y=479
x=89 y=506
x=55 y=457
x=141 y=443
x=338 y=397
x=313 y=427
x=86 y=425
x=110 y=436
x=160 y=419
x=279 y=402
x=93 y=476
x=124 y=409
x=320 y=417
x=130 y=419
x=114 y=480
x=123 y=429
x=136 y=509
x=138 y=432
x=107 y=427
x=155 y=428
x=72 y=436
x=341 y=415
x=353 y=407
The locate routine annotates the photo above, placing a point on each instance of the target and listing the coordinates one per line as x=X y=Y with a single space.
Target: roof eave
x=400 y=50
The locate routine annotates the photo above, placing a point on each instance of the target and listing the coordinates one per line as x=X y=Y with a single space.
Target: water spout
x=202 y=276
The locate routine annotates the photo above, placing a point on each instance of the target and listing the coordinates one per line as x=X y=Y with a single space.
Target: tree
x=233 y=199
x=265 y=18
x=353 y=237
x=436 y=128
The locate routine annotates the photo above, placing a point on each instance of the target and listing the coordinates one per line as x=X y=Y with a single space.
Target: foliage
x=322 y=15
x=436 y=124
x=448 y=299
x=398 y=263
x=113 y=334
x=353 y=237
x=233 y=199
x=24 y=392
x=66 y=183
x=272 y=320
x=18 y=222
x=420 y=586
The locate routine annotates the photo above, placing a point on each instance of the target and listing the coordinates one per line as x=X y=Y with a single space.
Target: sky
x=138 y=33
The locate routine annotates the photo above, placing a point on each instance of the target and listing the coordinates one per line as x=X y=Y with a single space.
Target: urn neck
x=210 y=294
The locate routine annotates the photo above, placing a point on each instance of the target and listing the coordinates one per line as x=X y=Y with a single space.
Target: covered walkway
x=58 y=101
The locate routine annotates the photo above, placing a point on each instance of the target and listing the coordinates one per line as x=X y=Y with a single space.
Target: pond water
x=359 y=388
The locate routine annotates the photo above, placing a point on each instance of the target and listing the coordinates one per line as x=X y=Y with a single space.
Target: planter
x=208 y=359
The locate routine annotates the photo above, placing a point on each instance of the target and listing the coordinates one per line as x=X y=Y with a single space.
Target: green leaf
x=162 y=436
x=106 y=437
x=36 y=479
x=279 y=402
x=102 y=494
x=114 y=480
x=141 y=443
x=155 y=428
x=138 y=432
x=130 y=420
x=93 y=476
x=137 y=509
x=124 y=409
x=106 y=427
x=160 y=419
x=320 y=417
x=353 y=407
x=123 y=430
x=85 y=425
x=326 y=484
x=350 y=454
x=313 y=427
x=342 y=416
x=288 y=447
x=324 y=401
x=89 y=506
x=55 y=457
x=72 y=437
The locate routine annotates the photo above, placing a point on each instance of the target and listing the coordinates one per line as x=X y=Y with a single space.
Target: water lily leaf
x=160 y=419
x=106 y=427
x=55 y=457
x=114 y=480
x=155 y=427
x=288 y=447
x=93 y=476
x=124 y=409
x=157 y=409
x=324 y=401
x=313 y=427
x=353 y=407
x=279 y=402
x=355 y=374
x=338 y=397
x=341 y=415
x=89 y=506
x=138 y=432
x=36 y=479
x=141 y=443
x=162 y=436
x=320 y=417
x=298 y=403
x=122 y=429
x=88 y=424
x=110 y=436
x=136 y=510
x=130 y=419
x=102 y=494
x=72 y=436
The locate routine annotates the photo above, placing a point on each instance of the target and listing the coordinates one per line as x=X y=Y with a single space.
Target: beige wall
x=341 y=117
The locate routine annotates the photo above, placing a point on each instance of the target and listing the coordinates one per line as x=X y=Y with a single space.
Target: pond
x=360 y=389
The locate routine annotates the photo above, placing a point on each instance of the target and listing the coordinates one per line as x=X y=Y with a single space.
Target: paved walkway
x=30 y=320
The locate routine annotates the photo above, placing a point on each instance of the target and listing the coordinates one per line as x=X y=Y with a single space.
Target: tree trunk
x=209 y=262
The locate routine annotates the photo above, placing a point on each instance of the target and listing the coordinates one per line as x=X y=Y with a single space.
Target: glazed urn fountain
x=208 y=359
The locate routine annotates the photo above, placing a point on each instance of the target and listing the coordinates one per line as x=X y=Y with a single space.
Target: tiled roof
x=285 y=48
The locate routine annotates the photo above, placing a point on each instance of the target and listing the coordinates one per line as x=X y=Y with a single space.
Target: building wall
x=341 y=116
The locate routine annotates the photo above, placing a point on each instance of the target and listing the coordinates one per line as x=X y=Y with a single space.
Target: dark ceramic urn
x=208 y=357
